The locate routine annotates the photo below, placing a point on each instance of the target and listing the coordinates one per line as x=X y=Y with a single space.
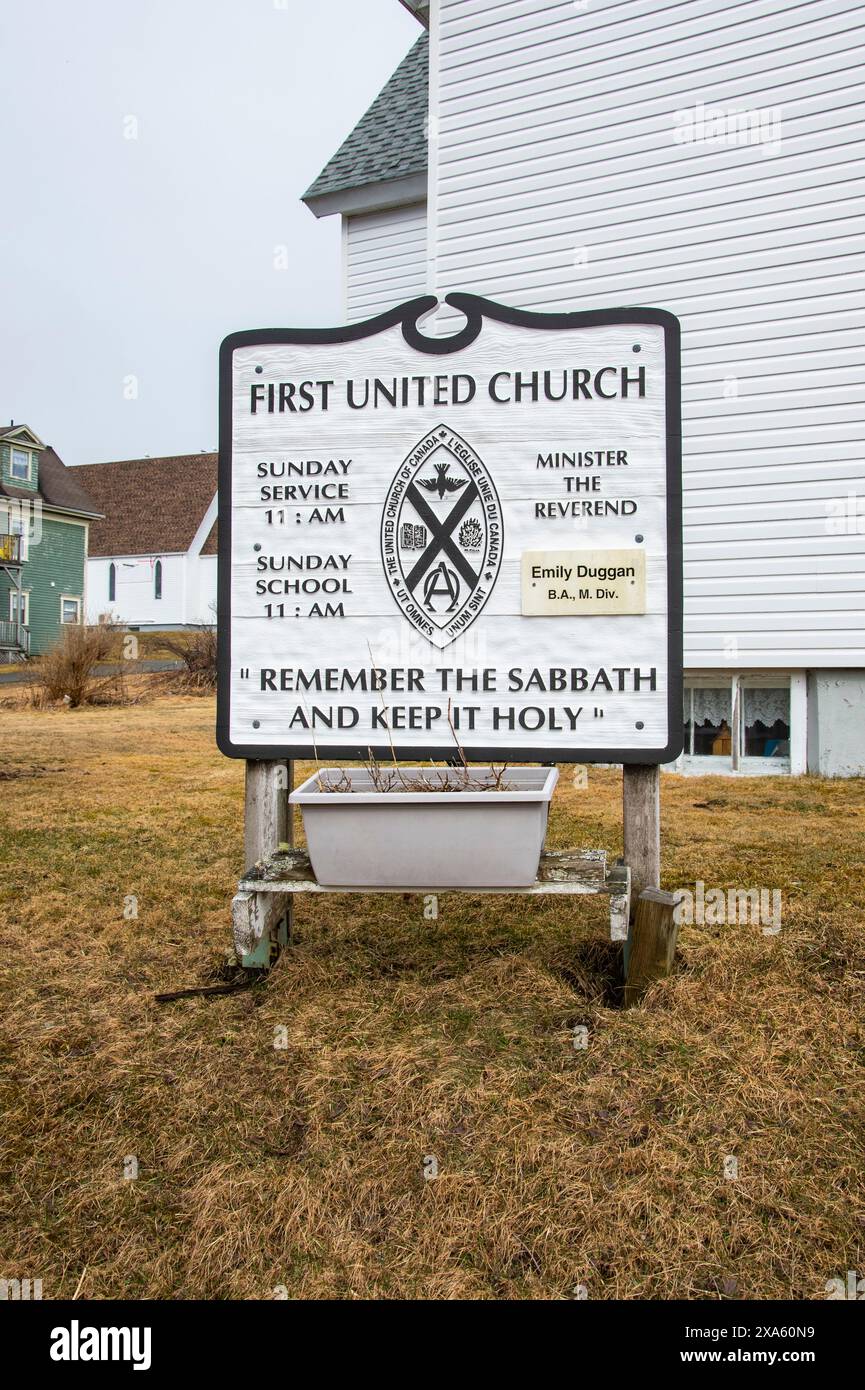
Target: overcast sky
x=154 y=155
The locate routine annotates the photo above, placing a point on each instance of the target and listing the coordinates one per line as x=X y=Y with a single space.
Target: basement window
x=741 y=723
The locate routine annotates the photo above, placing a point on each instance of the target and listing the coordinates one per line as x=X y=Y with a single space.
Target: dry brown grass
x=302 y=1166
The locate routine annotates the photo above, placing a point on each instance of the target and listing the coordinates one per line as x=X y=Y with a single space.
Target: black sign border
x=476 y=309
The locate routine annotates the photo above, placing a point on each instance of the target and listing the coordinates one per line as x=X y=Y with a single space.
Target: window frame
x=737 y=761
x=25 y=595
x=28 y=457
x=70 y=598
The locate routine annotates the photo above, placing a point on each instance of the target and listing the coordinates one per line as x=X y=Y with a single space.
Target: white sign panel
x=472 y=542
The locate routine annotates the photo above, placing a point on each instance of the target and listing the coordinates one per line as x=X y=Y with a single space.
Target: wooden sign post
x=262 y=926
x=467 y=544
x=641 y=816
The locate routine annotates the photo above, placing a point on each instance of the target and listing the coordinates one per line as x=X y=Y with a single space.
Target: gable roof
x=150 y=506
x=59 y=487
x=13 y=431
x=389 y=143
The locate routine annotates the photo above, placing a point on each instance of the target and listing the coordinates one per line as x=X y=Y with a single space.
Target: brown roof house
x=152 y=560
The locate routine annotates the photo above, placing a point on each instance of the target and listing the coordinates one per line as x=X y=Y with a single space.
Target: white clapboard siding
x=557 y=183
x=385 y=259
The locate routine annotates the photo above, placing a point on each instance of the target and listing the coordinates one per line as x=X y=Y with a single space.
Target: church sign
x=469 y=540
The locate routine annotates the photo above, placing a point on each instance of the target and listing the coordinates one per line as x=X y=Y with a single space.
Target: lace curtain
x=712 y=706
x=767 y=706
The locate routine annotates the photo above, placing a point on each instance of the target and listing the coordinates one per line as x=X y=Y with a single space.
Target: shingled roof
x=151 y=506
x=59 y=487
x=389 y=143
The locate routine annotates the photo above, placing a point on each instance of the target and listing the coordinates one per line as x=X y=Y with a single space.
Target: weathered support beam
x=560 y=871
x=257 y=921
x=651 y=943
x=641 y=804
x=265 y=824
x=261 y=924
x=620 y=901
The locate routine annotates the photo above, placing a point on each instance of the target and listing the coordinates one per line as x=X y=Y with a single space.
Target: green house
x=44 y=519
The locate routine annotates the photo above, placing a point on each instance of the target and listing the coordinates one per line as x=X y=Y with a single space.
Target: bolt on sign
x=431 y=541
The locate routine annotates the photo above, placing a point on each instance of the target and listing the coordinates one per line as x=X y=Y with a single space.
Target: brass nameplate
x=565 y=583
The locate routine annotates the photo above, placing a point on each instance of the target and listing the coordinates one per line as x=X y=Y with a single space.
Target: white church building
x=705 y=159
x=151 y=562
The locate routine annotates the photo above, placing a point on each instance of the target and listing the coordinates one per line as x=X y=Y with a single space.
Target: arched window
x=157 y=579
x=112 y=582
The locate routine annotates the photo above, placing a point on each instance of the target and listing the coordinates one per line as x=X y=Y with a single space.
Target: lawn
x=282 y=1135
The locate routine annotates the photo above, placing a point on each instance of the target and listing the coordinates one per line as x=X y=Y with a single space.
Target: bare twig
x=245 y=982
x=456 y=778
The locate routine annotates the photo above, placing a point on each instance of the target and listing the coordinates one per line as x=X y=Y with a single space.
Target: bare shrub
x=197 y=650
x=68 y=670
x=454 y=778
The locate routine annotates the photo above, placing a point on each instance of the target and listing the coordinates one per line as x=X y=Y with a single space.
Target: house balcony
x=11 y=549
x=14 y=640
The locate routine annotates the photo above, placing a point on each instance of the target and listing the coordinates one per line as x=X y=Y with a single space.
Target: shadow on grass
x=593 y=968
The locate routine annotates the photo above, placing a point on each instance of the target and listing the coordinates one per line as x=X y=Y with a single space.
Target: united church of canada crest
x=441 y=536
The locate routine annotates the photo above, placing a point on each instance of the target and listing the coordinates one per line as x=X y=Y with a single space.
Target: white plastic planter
x=365 y=838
